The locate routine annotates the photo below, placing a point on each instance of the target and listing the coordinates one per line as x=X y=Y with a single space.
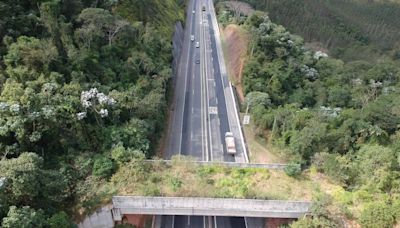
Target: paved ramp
x=102 y=218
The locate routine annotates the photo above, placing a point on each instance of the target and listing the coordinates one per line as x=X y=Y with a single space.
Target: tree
x=99 y=23
x=309 y=140
x=384 y=112
x=19 y=173
x=28 y=57
x=257 y=98
x=24 y=217
x=28 y=183
x=373 y=165
x=59 y=220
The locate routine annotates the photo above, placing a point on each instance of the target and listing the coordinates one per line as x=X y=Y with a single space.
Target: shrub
x=176 y=183
x=377 y=215
x=103 y=167
x=60 y=219
x=293 y=169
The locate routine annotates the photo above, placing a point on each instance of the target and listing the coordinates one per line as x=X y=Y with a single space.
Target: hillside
x=332 y=118
x=83 y=88
x=350 y=30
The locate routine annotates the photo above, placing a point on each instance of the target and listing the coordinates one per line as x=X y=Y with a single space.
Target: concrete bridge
x=123 y=205
x=277 y=166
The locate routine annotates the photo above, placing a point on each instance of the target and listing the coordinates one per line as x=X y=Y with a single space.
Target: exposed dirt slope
x=235 y=45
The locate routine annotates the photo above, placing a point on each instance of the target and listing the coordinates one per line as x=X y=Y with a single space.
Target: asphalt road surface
x=200 y=116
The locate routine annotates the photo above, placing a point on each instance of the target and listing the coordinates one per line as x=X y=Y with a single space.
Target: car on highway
x=197 y=44
x=192 y=38
x=193 y=12
x=204 y=8
x=198 y=61
x=230 y=143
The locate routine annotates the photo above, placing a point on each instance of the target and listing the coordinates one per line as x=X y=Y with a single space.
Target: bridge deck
x=210 y=206
x=277 y=166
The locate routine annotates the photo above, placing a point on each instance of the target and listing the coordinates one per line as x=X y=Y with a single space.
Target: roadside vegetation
x=78 y=80
x=337 y=120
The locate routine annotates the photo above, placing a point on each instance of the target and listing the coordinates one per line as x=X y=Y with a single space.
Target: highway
x=203 y=105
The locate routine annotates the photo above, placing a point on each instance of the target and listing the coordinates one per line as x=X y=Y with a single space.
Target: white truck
x=230 y=143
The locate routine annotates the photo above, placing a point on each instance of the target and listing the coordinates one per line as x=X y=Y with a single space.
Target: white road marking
x=212 y=110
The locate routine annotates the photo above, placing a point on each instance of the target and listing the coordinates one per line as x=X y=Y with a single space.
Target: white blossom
x=103 y=113
x=81 y=115
x=105 y=100
x=35 y=136
x=309 y=72
x=15 y=108
x=49 y=87
x=357 y=81
x=4 y=106
x=375 y=84
x=320 y=54
x=2 y=181
x=93 y=98
x=89 y=98
x=47 y=111
x=34 y=115
x=328 y=111
x=102 y=98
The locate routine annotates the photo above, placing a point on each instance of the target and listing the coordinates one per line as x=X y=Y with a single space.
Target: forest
x=341 y=119
x=349 y=29
x=78 y=79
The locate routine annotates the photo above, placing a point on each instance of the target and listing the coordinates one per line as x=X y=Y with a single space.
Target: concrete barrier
x=210 y=207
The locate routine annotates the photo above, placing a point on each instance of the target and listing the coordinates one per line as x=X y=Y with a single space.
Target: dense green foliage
x=83 y=87
x=349 y=29
x=341 y=118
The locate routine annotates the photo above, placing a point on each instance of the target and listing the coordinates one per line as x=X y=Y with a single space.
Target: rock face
x=236 y=42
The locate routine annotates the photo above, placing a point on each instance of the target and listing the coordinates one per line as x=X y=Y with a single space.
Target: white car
x=192 y=37
x=193 y=12
x=197 y=44
x=230 y=143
